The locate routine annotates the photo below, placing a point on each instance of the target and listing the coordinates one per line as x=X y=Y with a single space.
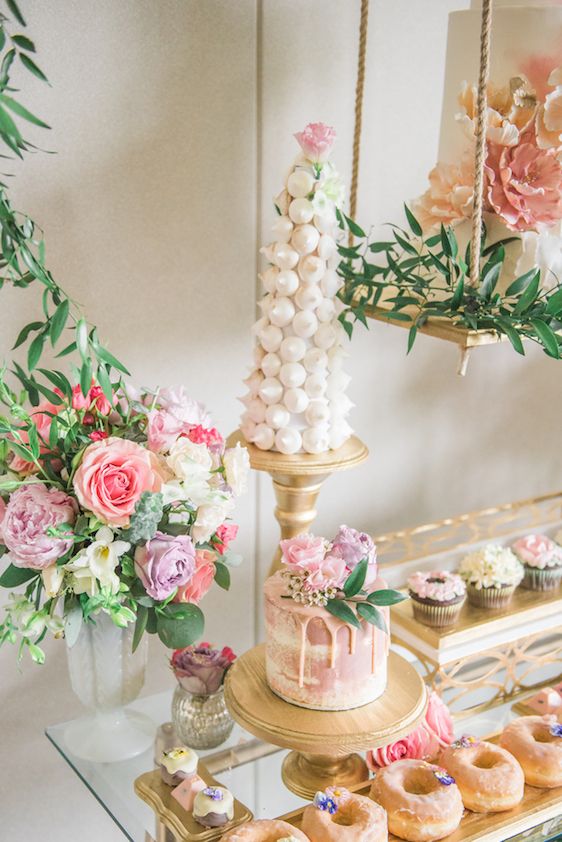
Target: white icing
x=179 y=759
x=204 y=804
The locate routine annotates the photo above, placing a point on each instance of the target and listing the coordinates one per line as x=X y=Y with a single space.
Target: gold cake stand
x=297 y=481
x=323 y=742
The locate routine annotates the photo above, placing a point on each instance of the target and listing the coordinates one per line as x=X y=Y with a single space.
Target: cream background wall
x=172 y=123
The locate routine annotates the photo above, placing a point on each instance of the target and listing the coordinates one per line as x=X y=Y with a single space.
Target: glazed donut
x=422 y=801
x=337 y=815
x=536 y=742
x=489 y=777
x=265 y=831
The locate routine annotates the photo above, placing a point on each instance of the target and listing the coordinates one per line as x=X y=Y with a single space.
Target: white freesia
x=236 y=463
x=209 y=517
x=96 y=563
x=52 y=580
x=493 y=566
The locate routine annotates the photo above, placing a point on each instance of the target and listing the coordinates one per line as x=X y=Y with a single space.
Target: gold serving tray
x=526 y=606
x=151 y=788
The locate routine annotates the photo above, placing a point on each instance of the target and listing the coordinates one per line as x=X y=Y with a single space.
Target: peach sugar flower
x=450 y=195
x=510 y=108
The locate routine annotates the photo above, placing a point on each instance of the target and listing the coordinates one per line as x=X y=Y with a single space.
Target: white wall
x=173 y=125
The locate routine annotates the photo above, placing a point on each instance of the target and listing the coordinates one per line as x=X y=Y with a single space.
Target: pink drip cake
x=319 y=658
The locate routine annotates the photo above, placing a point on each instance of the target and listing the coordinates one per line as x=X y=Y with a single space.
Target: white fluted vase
x=106 y=676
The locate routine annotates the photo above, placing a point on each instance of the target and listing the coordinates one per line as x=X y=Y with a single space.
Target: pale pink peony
x=201 y=580
x=524 y=183
x=42 y=417
x=424 y=743
x=112 y=476
x=449 y=197
x=331 y=573
x=304 y=552
x=316 y=141
x=31 y=510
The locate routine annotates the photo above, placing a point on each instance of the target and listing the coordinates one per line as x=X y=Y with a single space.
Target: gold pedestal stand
x=297 y=481
x=323 y=742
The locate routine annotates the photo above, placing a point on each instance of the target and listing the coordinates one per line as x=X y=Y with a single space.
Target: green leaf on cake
x=372 y=615
x=356 y=579
x=386 y=596
x=338 y=608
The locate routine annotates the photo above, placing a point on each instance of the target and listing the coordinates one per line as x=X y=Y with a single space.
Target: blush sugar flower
x=316 y=141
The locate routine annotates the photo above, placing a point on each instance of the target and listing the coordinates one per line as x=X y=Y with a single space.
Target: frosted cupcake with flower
x=437 y=597
x=491 y=575
x=114 y=500
x=542 y=560
x=296 y=390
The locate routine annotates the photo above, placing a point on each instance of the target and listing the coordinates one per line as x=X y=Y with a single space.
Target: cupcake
x=491 y=575
x=542 y=562
x=437 y=597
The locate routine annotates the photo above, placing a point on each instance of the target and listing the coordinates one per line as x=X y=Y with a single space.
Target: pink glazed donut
x=536 y=742
x=265 y=830
x=489 y=777
x=422 y=801
x=337 y=815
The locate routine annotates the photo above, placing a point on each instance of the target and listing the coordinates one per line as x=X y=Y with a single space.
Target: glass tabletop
x=250 y=768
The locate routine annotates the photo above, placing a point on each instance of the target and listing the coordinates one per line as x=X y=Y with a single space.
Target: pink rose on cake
x=316 y=141
x=165 y=563
x=33 y=510
x=331 y=573
x=303 y=553
x=112 y=476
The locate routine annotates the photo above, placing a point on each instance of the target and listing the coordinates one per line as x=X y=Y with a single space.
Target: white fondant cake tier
x=296 y=401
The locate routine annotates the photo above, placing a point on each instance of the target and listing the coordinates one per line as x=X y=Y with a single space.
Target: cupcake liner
x=437 y=616
x=537 y=579
x=489 y=597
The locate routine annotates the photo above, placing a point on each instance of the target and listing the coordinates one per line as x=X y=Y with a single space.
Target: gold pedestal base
x=297 y=481
x=305 y=774
x=323 y=742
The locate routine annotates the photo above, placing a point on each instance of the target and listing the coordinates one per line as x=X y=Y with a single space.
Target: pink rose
x=95 y=399
x=331 y=573
x=316 y=141
x=163 y=430
x=174 y=413
x=304 y=552
x=424 y=743
x=164 y=563
x=201 y=580
x=42 y=417
x=225 y=533
x=525 y=183
x=30 y=512
x=112 y=476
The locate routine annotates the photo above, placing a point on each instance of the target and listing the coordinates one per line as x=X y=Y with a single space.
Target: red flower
x=98 y=435
x=209 y=436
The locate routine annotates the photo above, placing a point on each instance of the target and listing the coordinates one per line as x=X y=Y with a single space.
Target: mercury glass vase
x=201 y=721
x=106 y=676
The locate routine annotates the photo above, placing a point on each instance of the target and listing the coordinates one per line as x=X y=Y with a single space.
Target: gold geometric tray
x=151 y=788
x=475 y=624
x=537 y=806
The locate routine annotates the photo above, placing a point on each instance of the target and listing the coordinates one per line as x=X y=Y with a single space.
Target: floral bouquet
x=340 y=575
x=200 y=669
x=113 y=500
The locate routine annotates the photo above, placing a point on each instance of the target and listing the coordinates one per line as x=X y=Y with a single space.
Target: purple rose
x=164 y=563
x=30 y=512
x=201 y=669
x=354 y=546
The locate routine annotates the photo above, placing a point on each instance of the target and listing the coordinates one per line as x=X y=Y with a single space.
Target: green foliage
x=356 y=579
x=179 y=624
x=13 y=576
x=428 y=277
x=146 y=517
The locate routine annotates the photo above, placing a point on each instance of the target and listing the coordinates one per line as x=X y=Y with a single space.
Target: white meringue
x=305 y=324
x=311 y=269
x=284 y=256
x=292 y=375
x=288 y=440
x=270 y=365
x=292 y=349
x=325 y=336
x=326 y=222
x=315 y=360
x=287 y=282
x=339 y=434
x=271 y=391
x=282 y=202
x=258 y=326
x=258 y=355
x=269 y=278
x=327 y=247
x=263 y=437
x=316 y=439
x=256 y=410
x=248 y=428
x=315 y=385
x=326 y=310
x=300 y=183
x=277 y=416
x=305 y=239
x=309 y=297
x=282 y=311
x=318 y=412
x=254 y=381
x=282 y=229
x=296 y=400
x=271 y=337
x=330 y=283
x=301 y=211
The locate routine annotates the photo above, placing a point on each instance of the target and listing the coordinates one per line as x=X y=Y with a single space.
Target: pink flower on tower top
x=316 y=142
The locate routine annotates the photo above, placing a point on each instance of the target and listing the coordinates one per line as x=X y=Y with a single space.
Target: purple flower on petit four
x=213 y=793
x=443 y=777
x=556 y=730
x=322 y=801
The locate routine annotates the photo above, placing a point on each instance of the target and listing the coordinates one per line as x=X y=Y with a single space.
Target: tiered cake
x=296 y=399
x=314 y=658
x=523 y=175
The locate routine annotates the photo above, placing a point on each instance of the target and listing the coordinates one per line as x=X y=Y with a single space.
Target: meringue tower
x=296 y=398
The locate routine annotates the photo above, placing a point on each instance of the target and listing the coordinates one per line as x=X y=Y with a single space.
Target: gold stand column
x=297 y=481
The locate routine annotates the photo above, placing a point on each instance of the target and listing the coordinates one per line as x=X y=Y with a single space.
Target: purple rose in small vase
x=201 y=669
